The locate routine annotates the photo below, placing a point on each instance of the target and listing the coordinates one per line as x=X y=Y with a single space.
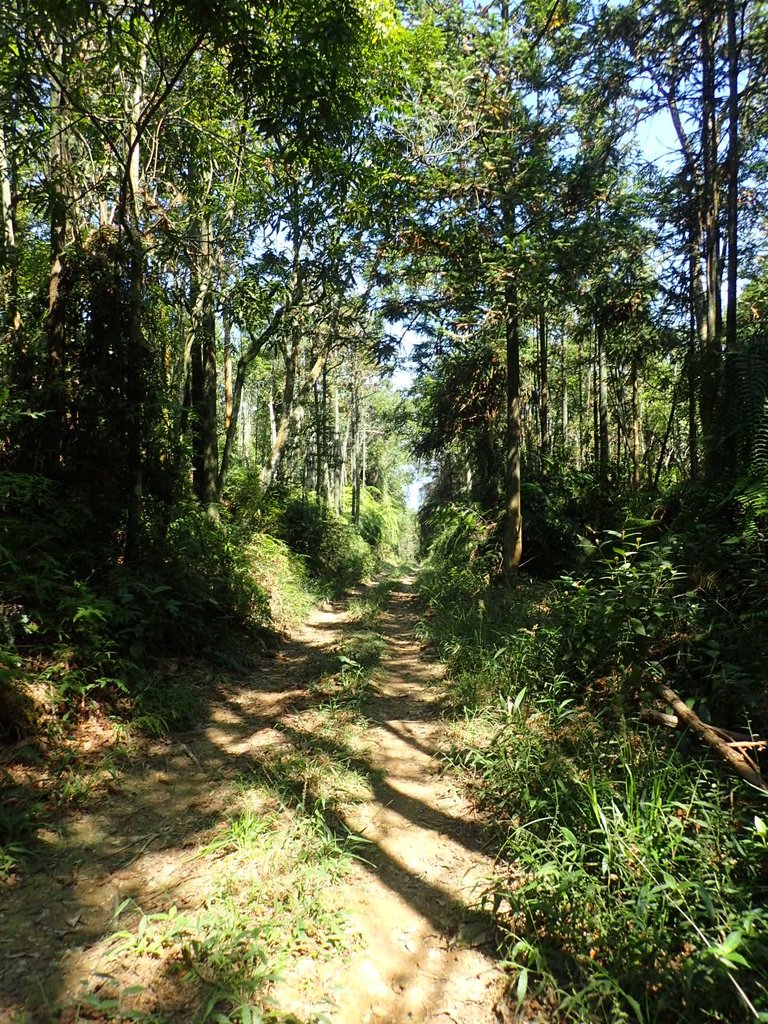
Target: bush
x=284 y=576
x=94 y=619
x=636 y=888
x=336 y=554
x=382 y=522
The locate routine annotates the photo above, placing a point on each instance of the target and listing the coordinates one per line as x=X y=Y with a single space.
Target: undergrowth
x=277 y=860
x=142 y=644
x=635 y=886
x=280 y=857
x=86 y=624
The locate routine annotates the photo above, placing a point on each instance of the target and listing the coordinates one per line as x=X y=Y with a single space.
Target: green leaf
x=635 y=1006
x=730 y=942
x=572 y=840
x=522 y=987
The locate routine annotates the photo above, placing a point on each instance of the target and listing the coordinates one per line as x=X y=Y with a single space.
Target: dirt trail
x=424 y=955
x=420 y=954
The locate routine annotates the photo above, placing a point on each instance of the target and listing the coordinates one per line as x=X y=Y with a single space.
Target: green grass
x=633 y=869
x=279 y=859
x=284 y=576
x=366 y=608
x=274 y=898
x=344 y=680
x=634 y=889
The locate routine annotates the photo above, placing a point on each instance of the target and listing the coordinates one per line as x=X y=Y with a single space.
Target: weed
x=636 y=888
x=335 y=553
x=164 y=703
x=635 y=891
x=116 y=1008
x=284 y=576
x=365 y=609
x=17 y=826
x=346 y=681
x=272 y=902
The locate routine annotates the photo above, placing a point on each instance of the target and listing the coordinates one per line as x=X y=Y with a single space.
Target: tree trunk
x=710 y=224
x=543 y=388
x=55 y=322
x=318 y=440
x=272 y=419
x=564 y=400
x=512 y=541
x=227 y=358
x=291 y=359
x=290 y=403
x=13 y=314
x=338 y=455
x=602 y=405
x=363 y=452
x=135 y=378
x=205 y=445
x=667 y=433
x=243 y=423
x=256 y=345
x=635 y=436
x=344 y=463
x=327 y=480
x=594 y=385
x=354 y=462
x=733 y=175
x=583 y=405
x=692 y=361
x=231 y=431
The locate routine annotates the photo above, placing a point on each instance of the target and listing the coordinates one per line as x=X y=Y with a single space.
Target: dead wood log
x=733 y=738
x=741 y=763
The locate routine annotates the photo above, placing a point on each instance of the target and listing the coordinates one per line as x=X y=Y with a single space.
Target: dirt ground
x=421 y=952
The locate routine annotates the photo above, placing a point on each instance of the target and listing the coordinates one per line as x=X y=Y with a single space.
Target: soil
x=422 y=950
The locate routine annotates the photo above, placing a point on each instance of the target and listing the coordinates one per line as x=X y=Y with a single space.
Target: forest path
x=149 y=836
x=424 y=953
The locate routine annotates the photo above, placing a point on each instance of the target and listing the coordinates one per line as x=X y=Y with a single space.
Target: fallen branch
x=733 y=738
x=653 y=717
x=728 y=745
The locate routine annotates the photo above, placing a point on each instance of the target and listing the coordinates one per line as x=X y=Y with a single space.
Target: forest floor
x=299 y=836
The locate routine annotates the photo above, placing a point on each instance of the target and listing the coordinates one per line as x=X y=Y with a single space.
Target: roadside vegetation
x=276 y=863
x=270 y=867
x=633 y=884
x=141 y=648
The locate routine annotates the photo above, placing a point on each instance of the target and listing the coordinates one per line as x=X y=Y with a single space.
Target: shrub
x=382 y=522
x=336 y=554
x=636 y=890
x=93 y=618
